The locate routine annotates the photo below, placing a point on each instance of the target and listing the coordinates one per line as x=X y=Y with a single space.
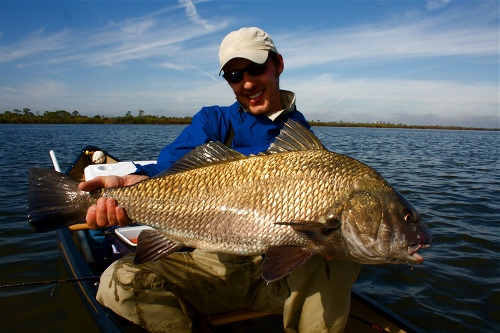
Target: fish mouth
x=412 y=252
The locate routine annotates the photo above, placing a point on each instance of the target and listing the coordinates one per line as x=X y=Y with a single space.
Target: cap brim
x=256 y=56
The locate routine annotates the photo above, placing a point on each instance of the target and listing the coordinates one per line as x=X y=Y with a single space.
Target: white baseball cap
x=251 y=43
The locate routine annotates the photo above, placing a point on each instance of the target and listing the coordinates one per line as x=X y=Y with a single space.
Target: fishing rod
x=49 y=282
x=38 y=283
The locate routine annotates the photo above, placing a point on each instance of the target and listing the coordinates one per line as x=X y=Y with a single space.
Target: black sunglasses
x=253 y=70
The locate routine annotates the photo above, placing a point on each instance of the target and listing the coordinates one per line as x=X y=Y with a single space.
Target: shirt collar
x=287 y=102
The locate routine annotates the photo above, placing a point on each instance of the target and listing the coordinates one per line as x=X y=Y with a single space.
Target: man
x=168 y=295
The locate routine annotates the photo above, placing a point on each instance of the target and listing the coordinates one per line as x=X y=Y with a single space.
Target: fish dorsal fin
x=294 y=137
x=207 y=154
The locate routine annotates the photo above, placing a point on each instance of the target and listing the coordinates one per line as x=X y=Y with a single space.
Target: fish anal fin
x=281 y=260
x=152 y=245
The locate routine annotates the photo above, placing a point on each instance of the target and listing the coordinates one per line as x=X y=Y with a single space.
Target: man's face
x=257 y=94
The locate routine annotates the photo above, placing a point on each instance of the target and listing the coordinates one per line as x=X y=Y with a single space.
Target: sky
x=432 y=62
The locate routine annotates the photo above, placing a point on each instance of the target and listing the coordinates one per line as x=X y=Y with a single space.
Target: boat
x=85 y=260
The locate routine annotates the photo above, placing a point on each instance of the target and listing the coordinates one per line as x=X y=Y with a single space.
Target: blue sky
x=430 y=62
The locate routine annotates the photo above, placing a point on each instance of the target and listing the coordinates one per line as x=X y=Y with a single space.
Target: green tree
x=63 y=114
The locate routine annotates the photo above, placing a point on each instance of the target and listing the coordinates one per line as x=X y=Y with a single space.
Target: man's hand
x=106 y=211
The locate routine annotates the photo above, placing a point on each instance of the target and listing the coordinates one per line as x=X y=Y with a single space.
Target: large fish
x=292 y=201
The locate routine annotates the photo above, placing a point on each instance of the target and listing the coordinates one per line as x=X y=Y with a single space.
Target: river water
x=451 y=177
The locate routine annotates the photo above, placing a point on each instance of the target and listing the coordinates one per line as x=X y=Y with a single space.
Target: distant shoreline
x=64 y=117
x=389 y=125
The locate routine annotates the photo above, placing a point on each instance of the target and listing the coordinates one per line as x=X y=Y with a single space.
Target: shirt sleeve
x=205 y=127
x=209 y=124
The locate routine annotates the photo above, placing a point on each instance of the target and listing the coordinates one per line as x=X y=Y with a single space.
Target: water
x=451 y=177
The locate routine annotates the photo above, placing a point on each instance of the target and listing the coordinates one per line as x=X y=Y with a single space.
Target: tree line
x=26 y=116
x=390 y=125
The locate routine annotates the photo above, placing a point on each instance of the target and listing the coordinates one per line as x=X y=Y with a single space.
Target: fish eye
x=407 y=216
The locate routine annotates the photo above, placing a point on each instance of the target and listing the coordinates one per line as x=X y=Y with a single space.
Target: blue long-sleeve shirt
x=252 y=133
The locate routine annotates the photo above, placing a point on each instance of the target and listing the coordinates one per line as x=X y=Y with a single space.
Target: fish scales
x=238 y=211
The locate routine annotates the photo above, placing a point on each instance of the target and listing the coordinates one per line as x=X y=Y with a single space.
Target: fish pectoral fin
x=315 y=231
x=151 y=245
x=281 y=260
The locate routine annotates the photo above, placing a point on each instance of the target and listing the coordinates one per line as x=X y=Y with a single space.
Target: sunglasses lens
x=257 y=69
x=234 y=77
x=252 y=70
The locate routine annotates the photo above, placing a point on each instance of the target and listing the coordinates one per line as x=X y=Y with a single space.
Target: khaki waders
x=170 y=294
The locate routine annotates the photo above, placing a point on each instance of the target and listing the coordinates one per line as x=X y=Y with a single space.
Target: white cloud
x=437 y=4
x=394 y=100
x=447 y=34
x=192 y=13
x=138 y=28
x=152 y=36
x=37 y=92
x=144 y=37
x=36 y=44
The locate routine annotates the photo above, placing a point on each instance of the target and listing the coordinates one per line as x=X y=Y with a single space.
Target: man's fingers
x=121 y=216
x=91 y=217
x=101 y=213
x=107 y=212
x=110 y=210
x=100 y=182
x=93 y=184
x=133 y=179
x=113 y=181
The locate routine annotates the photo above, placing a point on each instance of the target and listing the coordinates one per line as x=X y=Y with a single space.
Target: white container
x=115 y=169
x=129 y=234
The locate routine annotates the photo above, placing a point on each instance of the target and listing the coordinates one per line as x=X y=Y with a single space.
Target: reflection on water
x=451 y=177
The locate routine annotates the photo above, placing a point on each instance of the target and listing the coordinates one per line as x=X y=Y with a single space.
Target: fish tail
x=54 y=200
